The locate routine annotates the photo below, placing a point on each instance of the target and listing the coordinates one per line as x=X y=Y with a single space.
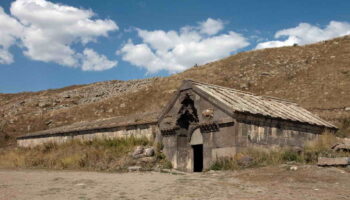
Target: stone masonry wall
x=147 y=131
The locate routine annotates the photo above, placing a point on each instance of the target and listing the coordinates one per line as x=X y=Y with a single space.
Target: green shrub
x=291 y=156
x=225 y=164
x=165 y=164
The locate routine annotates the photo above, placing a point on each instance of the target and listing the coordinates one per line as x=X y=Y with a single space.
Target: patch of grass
x=98 y=154
x=290 y=156
x=225 y=164
x=257 y=157
x=160 y=157
x=321 y=147
x=4 y=138
x=165 y=164
x=344 y=128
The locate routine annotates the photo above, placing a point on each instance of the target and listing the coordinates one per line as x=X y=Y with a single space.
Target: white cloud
x=11 y=29
x=175 y=51
x=92 y=61
x=211 y=26
x=49 y=31
x=306 y=33
x=5 y=56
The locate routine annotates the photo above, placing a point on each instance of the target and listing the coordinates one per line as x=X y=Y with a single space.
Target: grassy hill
x=315 y=76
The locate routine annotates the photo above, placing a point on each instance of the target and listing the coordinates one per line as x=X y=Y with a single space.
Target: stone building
x=141 y=125
x=204 y=122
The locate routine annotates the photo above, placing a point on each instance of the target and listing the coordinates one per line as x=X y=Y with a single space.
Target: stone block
x=134 y=168
x=149 y=151
x=223 y=152
x=340 y=161
x=341 y=147
x=138 y=151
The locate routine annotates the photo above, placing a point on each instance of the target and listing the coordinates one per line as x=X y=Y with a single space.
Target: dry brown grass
x=344 y=130
x=258 y=157
x=107 y=155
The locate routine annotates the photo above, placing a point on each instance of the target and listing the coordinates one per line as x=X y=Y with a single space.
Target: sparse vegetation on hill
x=315 y=76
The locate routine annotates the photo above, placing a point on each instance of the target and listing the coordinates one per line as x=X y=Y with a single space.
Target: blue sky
x=51 y=44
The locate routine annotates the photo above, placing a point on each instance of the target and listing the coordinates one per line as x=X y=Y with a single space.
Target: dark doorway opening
x=197 y=158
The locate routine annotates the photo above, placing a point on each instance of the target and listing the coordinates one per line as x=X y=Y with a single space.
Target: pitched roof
x=244 y=102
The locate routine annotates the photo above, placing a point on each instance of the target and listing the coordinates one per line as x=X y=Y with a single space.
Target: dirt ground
x=307 y=182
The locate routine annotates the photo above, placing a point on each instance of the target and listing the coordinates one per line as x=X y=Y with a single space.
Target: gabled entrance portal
x=197 y=148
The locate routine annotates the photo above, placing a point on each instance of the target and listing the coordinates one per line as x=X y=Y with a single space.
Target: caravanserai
x=201 y=124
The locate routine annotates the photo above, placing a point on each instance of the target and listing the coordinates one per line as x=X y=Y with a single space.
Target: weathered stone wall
x=218 y=144
x=235 y=137
x=144 y=130
x=264 y=132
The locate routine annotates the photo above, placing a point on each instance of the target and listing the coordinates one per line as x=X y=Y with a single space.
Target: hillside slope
x=315 y=76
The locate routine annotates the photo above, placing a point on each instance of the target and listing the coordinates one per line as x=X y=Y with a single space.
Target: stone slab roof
x=244 y=102
x=120 y=121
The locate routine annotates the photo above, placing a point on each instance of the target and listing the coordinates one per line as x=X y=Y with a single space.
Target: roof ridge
x=244 y=92
x=280 y=99
x=198 y=82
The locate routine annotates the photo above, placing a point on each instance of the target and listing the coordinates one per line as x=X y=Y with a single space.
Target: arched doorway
x=197 y=148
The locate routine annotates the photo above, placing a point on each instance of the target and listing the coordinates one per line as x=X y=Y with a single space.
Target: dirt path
x=308 y=182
